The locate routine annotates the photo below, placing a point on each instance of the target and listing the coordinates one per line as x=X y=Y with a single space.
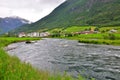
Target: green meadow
x=11 y=68
x=103 y=35
x=77 y=29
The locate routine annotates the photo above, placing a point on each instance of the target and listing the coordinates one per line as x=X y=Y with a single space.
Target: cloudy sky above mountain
x=32 y=10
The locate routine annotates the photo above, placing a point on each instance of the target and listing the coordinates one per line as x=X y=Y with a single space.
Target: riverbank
x=96 y=41
x=11 y=68
x=106 y=39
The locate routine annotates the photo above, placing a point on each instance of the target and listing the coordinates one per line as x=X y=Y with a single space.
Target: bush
x=112 y=37
x=109 y=36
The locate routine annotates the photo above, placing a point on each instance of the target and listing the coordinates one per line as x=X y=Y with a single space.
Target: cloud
x=29 y=9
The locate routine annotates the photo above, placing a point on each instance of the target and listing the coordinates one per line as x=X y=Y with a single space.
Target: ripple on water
x=99 y=61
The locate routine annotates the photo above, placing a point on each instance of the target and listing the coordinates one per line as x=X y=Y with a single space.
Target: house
x=38 y=34
x=29 y=35
x=112 y=31
x=22 y=34
x=33 y=34
x=84 y=32
x=44 y=34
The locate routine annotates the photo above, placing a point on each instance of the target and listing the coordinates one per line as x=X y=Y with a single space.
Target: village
x=58 y=33
x=34 y=34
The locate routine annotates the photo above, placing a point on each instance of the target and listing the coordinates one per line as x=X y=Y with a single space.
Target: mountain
x=10 y=23
x=80 y=12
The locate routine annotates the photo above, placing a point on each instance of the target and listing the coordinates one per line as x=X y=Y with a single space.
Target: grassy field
x=99 y=36
x=102 y=37
x=110 y=28
x=96 y=41
x=11 y=68
x=114 y=39
x=83 y=28
x=71 y=29
x=77 y=28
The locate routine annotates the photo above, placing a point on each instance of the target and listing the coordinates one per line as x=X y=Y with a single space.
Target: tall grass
x=11 y=68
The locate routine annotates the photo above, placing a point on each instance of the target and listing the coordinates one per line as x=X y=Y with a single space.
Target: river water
x=58 y=55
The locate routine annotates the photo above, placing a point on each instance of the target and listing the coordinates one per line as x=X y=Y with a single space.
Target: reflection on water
x=99 y=61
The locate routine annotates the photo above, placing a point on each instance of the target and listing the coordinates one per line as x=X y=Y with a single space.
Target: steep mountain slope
x=10 y=23
x=80 y=12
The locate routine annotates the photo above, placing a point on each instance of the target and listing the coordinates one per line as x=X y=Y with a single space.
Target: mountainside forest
x=79 y=13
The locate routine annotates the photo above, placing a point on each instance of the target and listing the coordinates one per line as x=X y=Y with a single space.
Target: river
x=59 y=55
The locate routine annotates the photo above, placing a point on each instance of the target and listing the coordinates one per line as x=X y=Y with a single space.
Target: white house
x=112 y=31
x=22 y=34
x=44 y=34
x=33 y=34
x=36 y=34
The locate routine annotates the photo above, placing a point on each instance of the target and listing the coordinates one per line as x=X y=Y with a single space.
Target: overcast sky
x=32 y=10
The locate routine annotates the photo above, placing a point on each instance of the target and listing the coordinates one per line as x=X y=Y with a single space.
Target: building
x=22 y=34
x=113 y=31
x=44 y=34
x=38 y=34
x=84 y=32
